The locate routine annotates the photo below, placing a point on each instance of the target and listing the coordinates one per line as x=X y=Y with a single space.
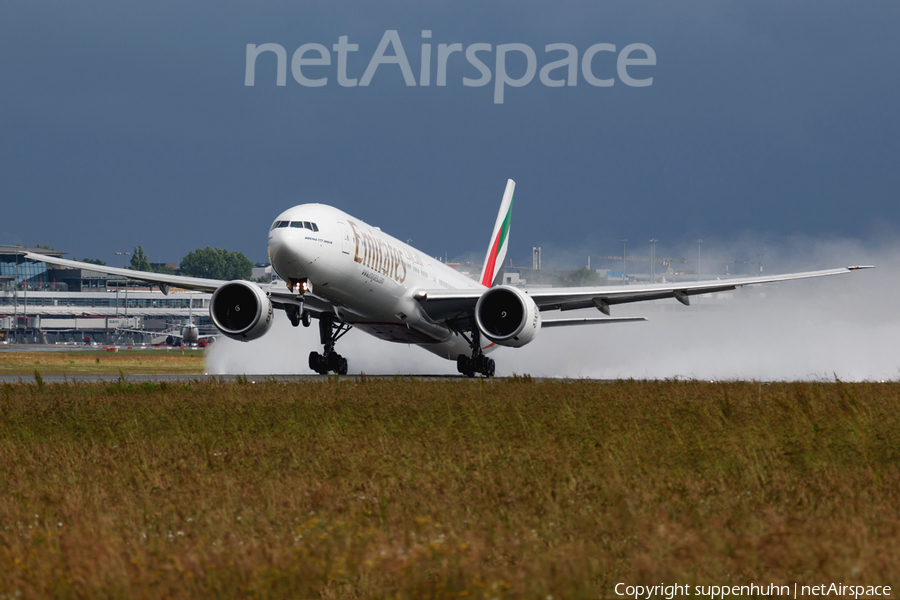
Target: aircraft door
x=345 y=237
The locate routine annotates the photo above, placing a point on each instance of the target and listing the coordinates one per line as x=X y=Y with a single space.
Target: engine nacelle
x=241 y=311
x=507 y=316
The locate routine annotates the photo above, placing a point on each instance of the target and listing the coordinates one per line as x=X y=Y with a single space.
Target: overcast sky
x=127 y=123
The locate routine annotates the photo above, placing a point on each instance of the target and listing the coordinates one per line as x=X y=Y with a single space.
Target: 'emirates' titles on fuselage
x=379 y=255
x=340 y=234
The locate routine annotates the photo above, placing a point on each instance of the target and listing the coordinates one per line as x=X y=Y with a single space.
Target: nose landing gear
x=297 y=315
x=330 y=331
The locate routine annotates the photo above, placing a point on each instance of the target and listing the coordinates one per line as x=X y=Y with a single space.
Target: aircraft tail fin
x=496 y=254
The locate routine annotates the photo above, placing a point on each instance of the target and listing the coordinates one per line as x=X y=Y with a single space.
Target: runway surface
x=181 y=378
x=94 y=348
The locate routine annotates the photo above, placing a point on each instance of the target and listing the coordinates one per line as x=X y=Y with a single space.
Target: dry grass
x=412 y=489
x=93 y=362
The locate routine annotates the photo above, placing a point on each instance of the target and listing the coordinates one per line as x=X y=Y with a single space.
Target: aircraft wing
x=452 y=305
x=311 y=303
x=603 y=297
x=162 y=280
x=165 y=333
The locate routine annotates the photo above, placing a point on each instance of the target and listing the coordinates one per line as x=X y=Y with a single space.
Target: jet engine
x=241 y=311
x=507 y=316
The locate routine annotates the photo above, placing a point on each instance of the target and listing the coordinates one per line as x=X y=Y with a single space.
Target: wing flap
x=590 y=321
x=641 y=296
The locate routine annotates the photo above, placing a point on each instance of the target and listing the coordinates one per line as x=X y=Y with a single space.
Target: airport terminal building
x=45 y=304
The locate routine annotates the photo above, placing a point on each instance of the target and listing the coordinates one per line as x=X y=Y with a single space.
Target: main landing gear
x=330 y=331
x=478 y=362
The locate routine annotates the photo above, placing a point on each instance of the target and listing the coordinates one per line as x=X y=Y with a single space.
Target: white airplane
x=186 y=335
x=346 y=273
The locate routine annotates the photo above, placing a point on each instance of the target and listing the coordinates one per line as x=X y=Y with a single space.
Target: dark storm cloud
x=129 y=124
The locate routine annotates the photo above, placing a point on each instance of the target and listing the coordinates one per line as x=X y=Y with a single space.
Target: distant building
x=41 y=303
x=15 y=269
x=155 y=266
x=512 y=278
x=49 y=317
x=265 y=271
x=74 y=280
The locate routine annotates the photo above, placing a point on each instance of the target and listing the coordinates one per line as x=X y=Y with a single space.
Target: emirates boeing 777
x=345 y=273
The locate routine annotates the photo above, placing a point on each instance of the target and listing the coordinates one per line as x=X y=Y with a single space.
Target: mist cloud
x=845 y=326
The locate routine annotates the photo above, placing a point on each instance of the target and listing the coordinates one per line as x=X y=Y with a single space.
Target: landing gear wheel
x=478 y=362
x=330 y=331
x=333 y=361
x=323 y=364
x=293 y=314
x=489 y=367
x=466 y=365
x=315 y=362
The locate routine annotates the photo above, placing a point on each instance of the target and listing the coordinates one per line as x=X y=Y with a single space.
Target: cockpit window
x=304 y=225
x=278 y=224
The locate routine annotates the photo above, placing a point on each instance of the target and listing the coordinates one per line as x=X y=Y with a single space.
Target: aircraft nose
x=286 y=257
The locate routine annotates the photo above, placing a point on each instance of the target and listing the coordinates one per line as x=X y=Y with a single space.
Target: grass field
x=475 y=489
x=93 y=362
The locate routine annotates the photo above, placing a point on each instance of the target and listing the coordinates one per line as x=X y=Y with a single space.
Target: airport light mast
x=16 y=295
x=699 y=241
x=118 y=254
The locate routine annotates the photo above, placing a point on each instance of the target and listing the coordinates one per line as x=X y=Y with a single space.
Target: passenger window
x=297 y=224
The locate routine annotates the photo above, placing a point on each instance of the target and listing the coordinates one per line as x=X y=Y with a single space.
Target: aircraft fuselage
x=369 y=276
